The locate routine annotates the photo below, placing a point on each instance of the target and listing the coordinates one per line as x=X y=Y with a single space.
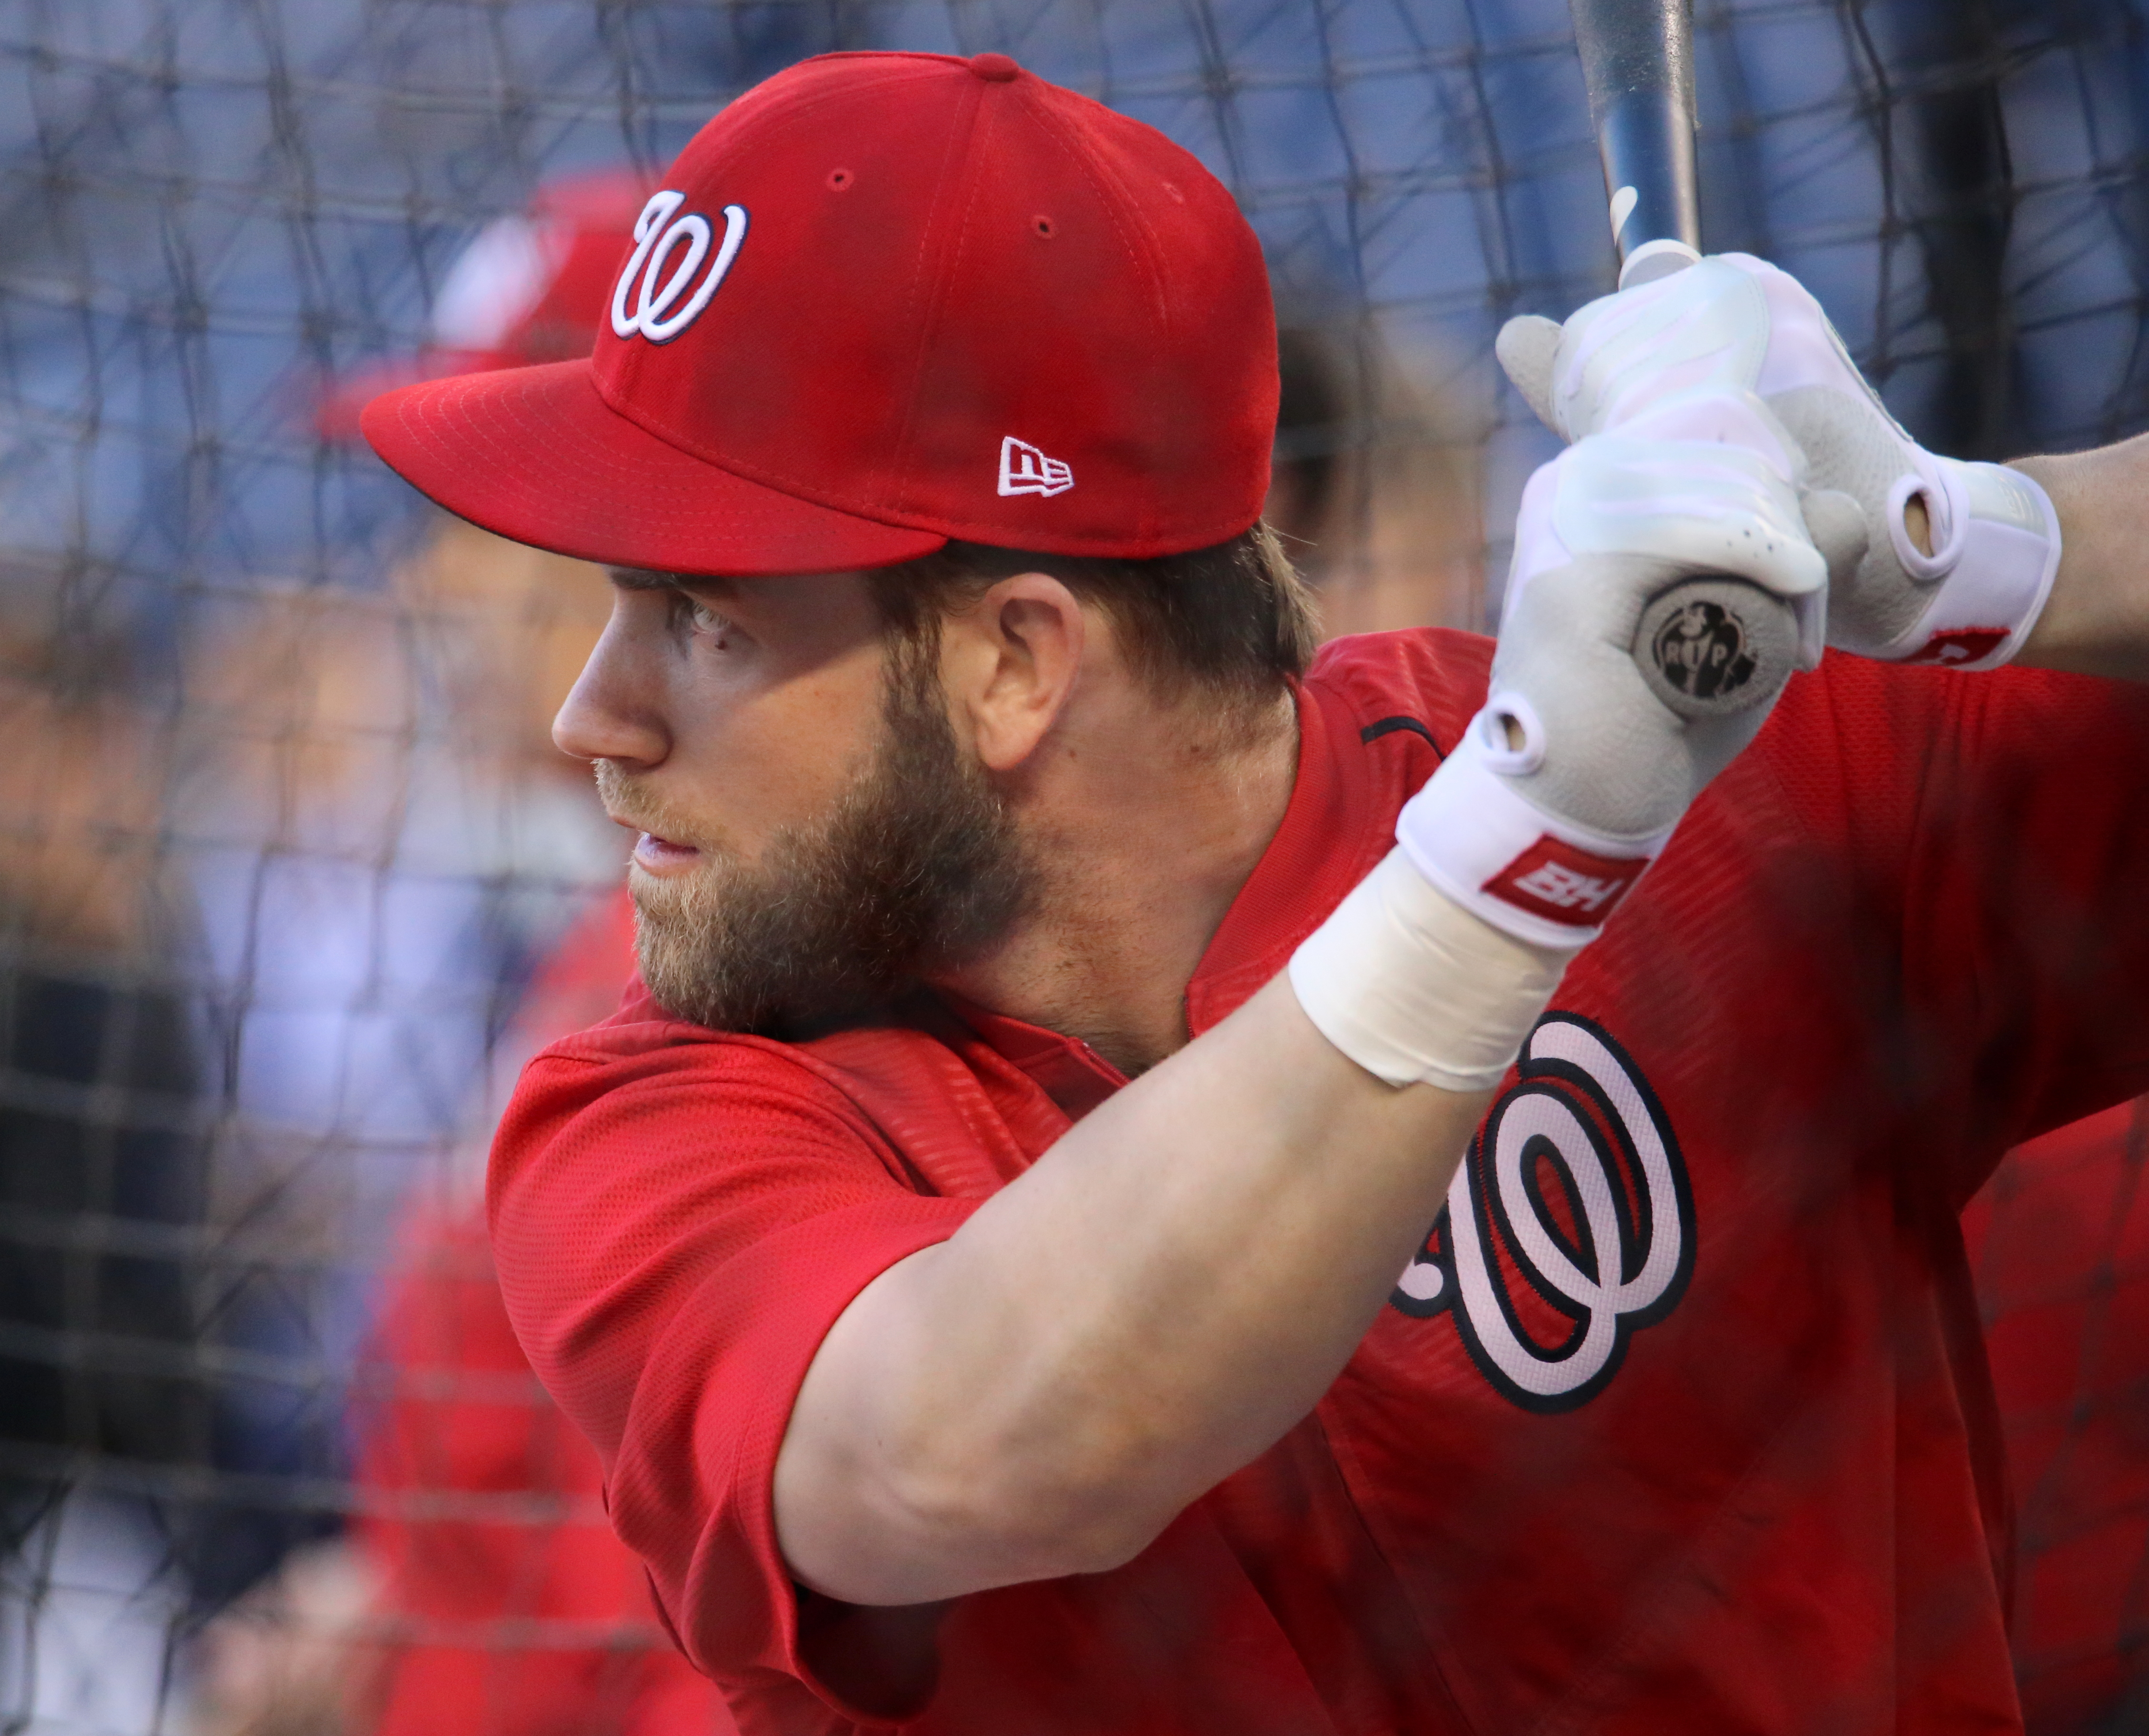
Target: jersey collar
x=1332 y=833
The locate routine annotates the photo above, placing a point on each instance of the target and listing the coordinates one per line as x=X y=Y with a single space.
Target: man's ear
x=1011 y=661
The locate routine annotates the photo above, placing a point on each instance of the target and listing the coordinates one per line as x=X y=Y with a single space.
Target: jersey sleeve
x=675 y=1230
x=2000 y=825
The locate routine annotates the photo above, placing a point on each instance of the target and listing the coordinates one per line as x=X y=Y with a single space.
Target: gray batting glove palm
x=1967 y=593
x=1570 y=780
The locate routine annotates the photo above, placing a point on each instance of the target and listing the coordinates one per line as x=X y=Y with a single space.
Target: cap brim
x=535 y=455
x=340 y=403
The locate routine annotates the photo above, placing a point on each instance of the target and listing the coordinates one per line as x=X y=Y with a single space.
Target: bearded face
x=915 y=867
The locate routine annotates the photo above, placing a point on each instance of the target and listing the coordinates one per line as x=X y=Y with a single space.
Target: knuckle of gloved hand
x=1615 y=755
x=1595 y=601
x=1730 y=418
x=1882 y=605
x=1709 y=506
x=1835 y=523
x=1612 y=758
x=1703 y=329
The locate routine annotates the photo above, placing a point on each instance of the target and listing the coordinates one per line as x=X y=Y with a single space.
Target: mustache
x=627 y=798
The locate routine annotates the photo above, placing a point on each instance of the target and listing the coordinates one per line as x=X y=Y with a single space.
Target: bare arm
x=1165 y=1292
x=2096 y=620
x=1175 y=1283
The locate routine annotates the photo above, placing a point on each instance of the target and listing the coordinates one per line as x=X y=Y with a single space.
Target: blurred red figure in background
x=504 y=1604
x=480 y=1589
x=530 y=289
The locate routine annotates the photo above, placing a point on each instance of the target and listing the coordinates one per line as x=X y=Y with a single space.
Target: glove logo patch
x=1701 y=650
x=1563 y=884
x=1569 y=1227
x=1963 y=645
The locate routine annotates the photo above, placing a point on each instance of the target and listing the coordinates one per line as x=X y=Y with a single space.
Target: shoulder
x=643 y=1090
x=1433 y=676
x=1856 y=695
x=641 y=1048
x=1857 y=729
x=644 y=1133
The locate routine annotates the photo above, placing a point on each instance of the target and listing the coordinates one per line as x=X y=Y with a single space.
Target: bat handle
x=1653 y=259
x=1713 y=647
x=1709 y=648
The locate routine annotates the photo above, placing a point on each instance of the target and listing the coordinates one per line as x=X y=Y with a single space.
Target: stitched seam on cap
x=1119 y=210
x=569 y=460
x=576 y=460
x=1117 y=205
x=961 y=139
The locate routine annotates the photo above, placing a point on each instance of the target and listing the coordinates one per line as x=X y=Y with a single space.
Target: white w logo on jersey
x=1616 y=1259
x=658 y=313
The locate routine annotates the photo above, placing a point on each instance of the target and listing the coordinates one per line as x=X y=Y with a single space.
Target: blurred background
x=291 y=879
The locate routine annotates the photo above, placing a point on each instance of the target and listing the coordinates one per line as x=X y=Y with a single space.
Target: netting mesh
x=290 y=878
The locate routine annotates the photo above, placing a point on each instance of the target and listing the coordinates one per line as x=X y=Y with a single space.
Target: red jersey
x=507 y=1606
x=1678 y=1421
x=2059 y=1241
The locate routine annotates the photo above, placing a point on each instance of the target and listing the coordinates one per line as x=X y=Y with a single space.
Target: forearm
x=2097 y=620
x=1175 y=1283
x=1166 y=1292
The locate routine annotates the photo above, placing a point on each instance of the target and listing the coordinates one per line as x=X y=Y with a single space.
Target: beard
x=916 y=867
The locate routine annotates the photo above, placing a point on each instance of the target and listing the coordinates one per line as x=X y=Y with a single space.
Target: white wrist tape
x=1996 y=549
x=1416 y=989
x=1543 y=879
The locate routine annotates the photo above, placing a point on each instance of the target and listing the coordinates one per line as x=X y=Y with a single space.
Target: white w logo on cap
x=657 y=237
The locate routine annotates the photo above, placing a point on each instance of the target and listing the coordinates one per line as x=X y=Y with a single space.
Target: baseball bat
x=1706 y=646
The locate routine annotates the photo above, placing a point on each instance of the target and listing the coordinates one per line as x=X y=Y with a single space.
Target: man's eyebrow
x=637 y=578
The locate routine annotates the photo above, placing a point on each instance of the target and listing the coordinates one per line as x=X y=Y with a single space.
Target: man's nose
x=613 y=711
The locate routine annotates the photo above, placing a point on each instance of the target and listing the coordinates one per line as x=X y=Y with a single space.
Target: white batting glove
x=1568 y=783
x=1734 y=322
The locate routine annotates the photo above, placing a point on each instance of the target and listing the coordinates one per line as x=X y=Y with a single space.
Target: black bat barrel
x=1638 y=58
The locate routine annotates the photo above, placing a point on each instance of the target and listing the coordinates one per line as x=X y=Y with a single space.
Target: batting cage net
x=291 y=878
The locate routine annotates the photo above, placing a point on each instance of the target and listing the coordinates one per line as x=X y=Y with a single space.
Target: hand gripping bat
x=1706 y=646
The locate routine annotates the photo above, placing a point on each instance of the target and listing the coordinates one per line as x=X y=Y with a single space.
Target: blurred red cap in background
x=529 y=289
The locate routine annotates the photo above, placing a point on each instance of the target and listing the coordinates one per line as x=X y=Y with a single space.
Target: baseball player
x=990 y=1250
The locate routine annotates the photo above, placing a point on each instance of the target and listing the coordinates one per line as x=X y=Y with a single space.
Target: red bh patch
x=1562 y=884
x=1964 y=644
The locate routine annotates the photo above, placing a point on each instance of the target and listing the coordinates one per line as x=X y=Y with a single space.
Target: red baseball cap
x=880 y=302
x=531 y=288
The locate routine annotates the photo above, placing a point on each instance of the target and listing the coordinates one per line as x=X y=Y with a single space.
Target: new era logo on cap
x=1025 y=470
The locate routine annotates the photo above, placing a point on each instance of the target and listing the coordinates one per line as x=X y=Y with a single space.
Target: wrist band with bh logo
x=1543 y=879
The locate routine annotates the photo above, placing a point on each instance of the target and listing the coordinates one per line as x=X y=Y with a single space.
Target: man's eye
x=705 y=620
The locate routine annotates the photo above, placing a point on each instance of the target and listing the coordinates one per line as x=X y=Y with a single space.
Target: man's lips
x=662 y=855
x=654 y=853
